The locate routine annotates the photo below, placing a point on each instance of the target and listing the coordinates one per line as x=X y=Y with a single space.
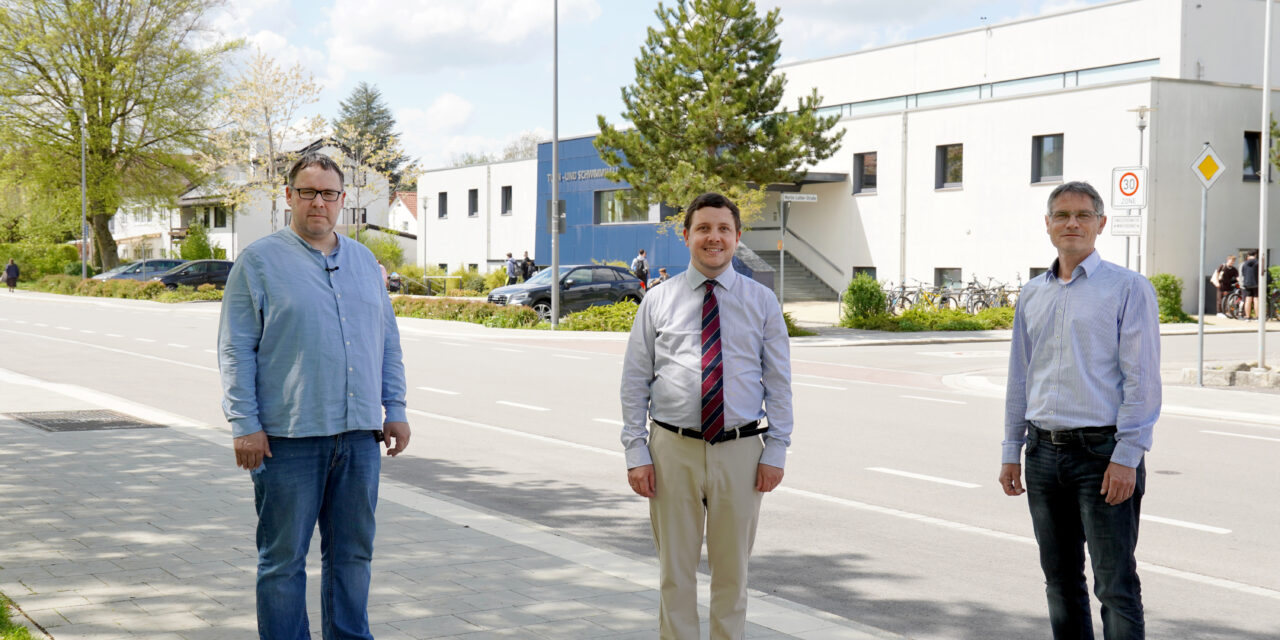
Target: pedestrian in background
x=1083 y=396
x=11 y=273
x=693 y=398
x=527 y=267
x=513 y=269
x=310 y=359
x=1249 y=280
x=640 y=267
x=662 y=277
x=1224 y=278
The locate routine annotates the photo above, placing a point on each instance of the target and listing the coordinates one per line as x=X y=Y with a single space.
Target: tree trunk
x=103 y=243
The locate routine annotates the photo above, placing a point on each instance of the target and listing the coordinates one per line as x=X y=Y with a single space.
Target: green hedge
x=131 y=289
x=940 y=320
x=863 y=297
x=1169 y=297
x=489 y=315
x=618 y=316
x=38 y=260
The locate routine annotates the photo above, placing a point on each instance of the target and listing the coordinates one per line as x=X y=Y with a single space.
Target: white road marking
x=63 y=328
x=404 y=339
x=616 y=423
x=180 y=346
x=818 y=386
x=569 y=357
x=1184 y=524
x=144 y=339
x=211 y=351
x=87 y=331
x=114 y=335
x=455 y=344
x=515 y=432
x=20 y=321
x=434 y=390
x=506 y=349
x=523 y=406
x=934 y=399
x=1241 y=435
x=921 y=476
x=965 y=354
x=40 y=324
x=123 y=351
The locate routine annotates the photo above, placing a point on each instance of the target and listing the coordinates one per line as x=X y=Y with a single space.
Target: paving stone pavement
x=148 y=533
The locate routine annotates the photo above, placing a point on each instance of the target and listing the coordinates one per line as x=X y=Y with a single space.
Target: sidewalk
x=148 y=533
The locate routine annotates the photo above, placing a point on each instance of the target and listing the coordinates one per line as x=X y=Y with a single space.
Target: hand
x=397 y=431
x=1011 y=479
x=1118 y=483
x=767 y=478
x=643 y=481
x=250 y=449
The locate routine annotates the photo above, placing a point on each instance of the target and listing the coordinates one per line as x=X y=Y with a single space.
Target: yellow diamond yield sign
x=1207 y=166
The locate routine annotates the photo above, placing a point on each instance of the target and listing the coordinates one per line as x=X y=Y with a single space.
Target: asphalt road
x=889 y=513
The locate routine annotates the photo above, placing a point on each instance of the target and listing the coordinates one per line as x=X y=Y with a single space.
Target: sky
x=470 y=76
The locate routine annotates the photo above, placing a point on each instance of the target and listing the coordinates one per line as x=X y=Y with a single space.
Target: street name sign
x=1129 y=188
x=799 y=197
x=1125 y=225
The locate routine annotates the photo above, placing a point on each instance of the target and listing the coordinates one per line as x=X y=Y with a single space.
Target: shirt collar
x=695 y=279
x=1089 y=265
x=293 y=235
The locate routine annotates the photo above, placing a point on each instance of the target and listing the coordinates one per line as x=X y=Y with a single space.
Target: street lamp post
x=84 y=201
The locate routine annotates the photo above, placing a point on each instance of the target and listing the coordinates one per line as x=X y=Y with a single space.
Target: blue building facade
x=589 y=236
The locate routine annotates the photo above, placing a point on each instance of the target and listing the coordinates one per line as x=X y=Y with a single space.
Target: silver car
x=141 y=270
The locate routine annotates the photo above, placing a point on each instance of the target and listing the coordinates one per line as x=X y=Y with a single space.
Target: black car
x=581 y=286
x=141 y=270
x=196 y=273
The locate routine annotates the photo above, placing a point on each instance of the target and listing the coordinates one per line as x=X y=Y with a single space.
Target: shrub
x=196 y=246
x=1169 y=297
x=414 y=279
x=929 y=320
x=38 y=260
x=613 y=317
x=863 y=297
x=466 y=311
x=470 y=279
x=384 y=248
x=792 y=329
x=63 y=284
x=494 y=279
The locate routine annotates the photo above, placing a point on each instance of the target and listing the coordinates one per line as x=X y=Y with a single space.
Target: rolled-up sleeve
x=637 y=378
x=239 y=332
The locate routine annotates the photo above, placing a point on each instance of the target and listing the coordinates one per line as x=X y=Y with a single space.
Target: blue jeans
x=1067 y=511
x=332 y=480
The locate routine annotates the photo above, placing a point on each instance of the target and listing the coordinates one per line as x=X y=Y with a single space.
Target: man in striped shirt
x=1083 y=396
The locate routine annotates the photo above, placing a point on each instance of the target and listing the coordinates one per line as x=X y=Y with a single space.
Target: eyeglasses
x=1081 y=217
x=310 y=194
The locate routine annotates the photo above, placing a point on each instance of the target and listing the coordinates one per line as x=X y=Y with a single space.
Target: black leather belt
x=1079 y=435
x=752 y=428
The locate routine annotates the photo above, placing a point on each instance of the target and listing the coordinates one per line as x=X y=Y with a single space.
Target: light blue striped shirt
x=662 y=369
x=1085 y=353
x=308 y=343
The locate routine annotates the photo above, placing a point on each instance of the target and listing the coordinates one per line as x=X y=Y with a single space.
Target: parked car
x=196 y=273
x=141 y=270
x=581 y=286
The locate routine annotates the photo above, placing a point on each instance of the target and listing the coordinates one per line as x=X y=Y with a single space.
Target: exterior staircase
x=801 y=285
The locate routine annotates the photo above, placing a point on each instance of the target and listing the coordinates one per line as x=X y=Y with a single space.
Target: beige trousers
x=712 y=488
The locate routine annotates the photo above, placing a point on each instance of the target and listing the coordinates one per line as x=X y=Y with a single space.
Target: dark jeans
x=1067 y=511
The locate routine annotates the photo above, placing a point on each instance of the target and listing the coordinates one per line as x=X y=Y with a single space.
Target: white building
x=473 y=216
x=403 y=215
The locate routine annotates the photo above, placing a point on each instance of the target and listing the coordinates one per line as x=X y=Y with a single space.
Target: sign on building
x=1125 y=225
x=1129 y=188
x=799 y=197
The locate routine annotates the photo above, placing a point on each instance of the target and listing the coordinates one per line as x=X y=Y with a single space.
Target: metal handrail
x=838 y=270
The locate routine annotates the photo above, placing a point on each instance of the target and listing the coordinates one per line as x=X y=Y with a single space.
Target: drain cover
x=94 y=420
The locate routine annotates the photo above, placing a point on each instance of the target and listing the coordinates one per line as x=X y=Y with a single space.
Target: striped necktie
x=712 y=368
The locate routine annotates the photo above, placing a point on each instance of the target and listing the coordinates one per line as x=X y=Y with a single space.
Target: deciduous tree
x=706 y=110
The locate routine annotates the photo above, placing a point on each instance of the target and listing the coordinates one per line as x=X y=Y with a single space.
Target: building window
x=1035 y=271
x=871 y=271
x=1252 y=156
x=949 y=167
x=864 y=172
x=442 y=204
x=471 y=266
x=506 y=200
x=612 y=208
x=1046 y=158
x=473 y=203
x=220 y=217
x=947 y=278
x=443 y=266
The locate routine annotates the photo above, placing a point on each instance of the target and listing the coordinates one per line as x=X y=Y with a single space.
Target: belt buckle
x=1060 y=437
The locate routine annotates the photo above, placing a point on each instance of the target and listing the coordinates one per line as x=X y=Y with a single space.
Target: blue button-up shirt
x=308 y=343
x=662 y=369
x=1085 y=353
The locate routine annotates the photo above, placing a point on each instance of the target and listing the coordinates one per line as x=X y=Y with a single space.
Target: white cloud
x=427 y=35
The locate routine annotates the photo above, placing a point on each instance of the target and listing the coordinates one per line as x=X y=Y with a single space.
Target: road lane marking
x=1184 y=524
x=434 y=390
x=180 y=346
x=506 y=349
x=818 y=386
x=455 y=344
x=112 y=350
x=921 y=476
x=211 y=351
x=965 y=354
x=934 y=399
x=40 y=324
x=63 y=328
x=1241 y=435
x=569 y=357
x=616 y=423
x=523 y=406
x=144 y=339
x=114 y=335
x=23 y=322
x=515 y=432
x=406 y=339
x=87 y=331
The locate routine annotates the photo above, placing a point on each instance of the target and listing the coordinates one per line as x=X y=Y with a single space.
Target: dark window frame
x=1251 y=168
x=860 y=182
x=1038 y=174
x=942 y=167
x=473 y=203
x=506 y=200
x=442 y=204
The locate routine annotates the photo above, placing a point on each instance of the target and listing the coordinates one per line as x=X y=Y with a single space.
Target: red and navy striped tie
x=712 y=368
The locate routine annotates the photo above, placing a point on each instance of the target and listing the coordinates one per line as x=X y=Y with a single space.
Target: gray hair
x=1082 y=188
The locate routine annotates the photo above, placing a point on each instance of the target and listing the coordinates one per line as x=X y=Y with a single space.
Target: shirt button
x=351 y=368
x=338 y=294
x=351 y=395
x=344 y=320
x=348 y=343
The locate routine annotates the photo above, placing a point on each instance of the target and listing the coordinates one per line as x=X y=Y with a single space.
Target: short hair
x=1253 y=253
x=642 y=252
x=714 y=201
x=1082 y=188
x=314 y=159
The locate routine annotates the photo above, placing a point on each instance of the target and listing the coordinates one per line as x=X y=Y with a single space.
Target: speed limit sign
x=1129 y=188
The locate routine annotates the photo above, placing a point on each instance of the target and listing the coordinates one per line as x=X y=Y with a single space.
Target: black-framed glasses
x=310 y=194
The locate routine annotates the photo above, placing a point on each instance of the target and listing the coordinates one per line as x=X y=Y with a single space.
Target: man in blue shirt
x=310 y=359
x=513 y=269
x=708 y=355
x=1083 y=396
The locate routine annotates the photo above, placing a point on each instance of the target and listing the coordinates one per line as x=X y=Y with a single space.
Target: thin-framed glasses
x=310 y=194
x=1081 y=217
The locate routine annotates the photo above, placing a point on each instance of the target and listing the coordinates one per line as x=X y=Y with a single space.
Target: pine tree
x=706 y=110
x=367 y=127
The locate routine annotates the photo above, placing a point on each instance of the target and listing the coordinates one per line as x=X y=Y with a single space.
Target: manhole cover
x=94 y=420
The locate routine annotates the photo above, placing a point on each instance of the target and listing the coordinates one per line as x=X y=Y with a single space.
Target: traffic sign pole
x=1207 y=168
